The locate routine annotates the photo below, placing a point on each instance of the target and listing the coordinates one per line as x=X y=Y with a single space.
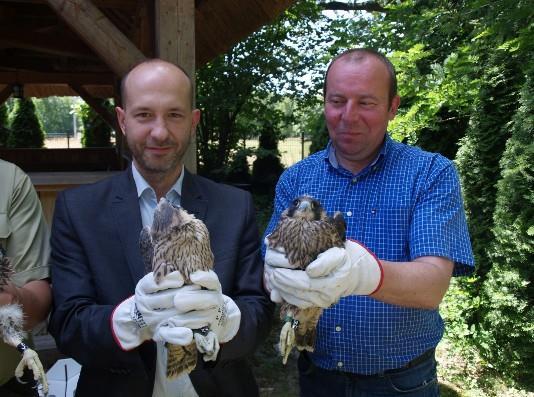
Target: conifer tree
x=4 y=130
x=481 y=150
x=96 y=132
x=506 y=336
x=26 y=131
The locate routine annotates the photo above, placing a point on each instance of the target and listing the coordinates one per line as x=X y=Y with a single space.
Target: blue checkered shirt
x=406 y=204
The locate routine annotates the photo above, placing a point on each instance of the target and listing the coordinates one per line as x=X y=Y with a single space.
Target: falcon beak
x=304 y=205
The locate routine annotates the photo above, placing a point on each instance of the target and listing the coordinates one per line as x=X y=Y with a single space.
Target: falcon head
x=169 y=217
x=306 y=208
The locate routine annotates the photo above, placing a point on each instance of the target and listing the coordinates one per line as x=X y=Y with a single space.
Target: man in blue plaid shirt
x=407 y=236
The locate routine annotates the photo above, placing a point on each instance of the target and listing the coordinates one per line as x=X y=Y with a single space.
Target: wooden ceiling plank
x=144 y=27
x=116 y=4
x=46 y=43
x=25 y=77
x=115 y=49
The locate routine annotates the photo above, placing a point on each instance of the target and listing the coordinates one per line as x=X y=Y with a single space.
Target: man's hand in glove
x=203 y=304
x=337 y=272
x=136 y=319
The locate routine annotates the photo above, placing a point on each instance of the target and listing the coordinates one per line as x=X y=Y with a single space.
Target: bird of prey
x=12 y=332
x=303 y=232
x=177 y=241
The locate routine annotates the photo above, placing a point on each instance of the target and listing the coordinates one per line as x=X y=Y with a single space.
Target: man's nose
x=351 y=112
x=160 y=131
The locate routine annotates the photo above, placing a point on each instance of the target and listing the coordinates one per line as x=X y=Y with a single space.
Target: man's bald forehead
x=153 y=63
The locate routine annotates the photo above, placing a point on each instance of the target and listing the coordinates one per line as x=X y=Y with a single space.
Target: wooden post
x=175 y=42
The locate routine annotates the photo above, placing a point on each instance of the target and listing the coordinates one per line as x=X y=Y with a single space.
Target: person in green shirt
x=24 y=236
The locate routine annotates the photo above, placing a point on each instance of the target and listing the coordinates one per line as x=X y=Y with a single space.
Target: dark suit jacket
x=96 y=263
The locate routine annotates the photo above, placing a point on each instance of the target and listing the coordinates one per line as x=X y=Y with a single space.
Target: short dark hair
x=122 y=87
x=360 y=54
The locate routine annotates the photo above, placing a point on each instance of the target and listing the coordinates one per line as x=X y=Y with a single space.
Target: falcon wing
x=147 y=248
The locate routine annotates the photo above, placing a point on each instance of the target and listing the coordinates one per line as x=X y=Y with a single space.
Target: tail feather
x=180 y=359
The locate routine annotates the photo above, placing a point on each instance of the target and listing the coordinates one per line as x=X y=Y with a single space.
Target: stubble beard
x=159 y=166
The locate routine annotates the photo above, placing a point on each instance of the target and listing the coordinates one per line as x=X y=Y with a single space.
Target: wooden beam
x=115 y=49
x=24 y=77
x=47 y=64
x=109 y=118
x=46 y=43
x=6 y=93
x=115 y=4
x=175 y=42
x=144 y=27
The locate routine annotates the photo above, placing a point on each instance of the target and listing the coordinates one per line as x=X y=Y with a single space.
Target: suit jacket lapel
x=127 y=216
x=192 y=199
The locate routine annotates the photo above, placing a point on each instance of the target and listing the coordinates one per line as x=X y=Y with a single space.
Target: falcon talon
x=12 y=332
x=295 y=323
x=203 y=331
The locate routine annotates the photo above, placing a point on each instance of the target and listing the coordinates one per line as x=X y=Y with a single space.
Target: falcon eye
x=296 y=202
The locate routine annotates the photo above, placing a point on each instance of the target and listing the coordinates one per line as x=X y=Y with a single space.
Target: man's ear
x=121 y=116
x=395 y=103
x=195 y=119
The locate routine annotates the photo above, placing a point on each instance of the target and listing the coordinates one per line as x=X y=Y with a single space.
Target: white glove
x=207 y=306
x=136 y=319
x=337 y=272
x=202 y=308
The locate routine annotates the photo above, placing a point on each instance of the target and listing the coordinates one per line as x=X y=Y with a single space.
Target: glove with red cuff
x=336 y=273
x=138 y=318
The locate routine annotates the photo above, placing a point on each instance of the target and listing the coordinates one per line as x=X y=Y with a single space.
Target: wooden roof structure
x=81 y=47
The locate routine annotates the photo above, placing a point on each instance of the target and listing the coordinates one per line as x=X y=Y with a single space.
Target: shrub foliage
x=25 y=131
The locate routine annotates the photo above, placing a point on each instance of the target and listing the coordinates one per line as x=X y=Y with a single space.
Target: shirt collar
x=173 y=195
x=330 y=156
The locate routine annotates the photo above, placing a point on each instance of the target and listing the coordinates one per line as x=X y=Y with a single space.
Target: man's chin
x=158 y=167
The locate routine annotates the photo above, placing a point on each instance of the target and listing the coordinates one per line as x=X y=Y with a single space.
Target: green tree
x=239 y=91
x=267 y=167
x=506 y=336
x=96 y=132
x=25 y=128
x=315 y=125
x=4 y=130
x=55 y=114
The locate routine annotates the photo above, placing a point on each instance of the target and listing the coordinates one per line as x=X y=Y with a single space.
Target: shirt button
x=338 y=328
x=355 y=179
x=340 y=364
x=349 y=213
x=373 y=211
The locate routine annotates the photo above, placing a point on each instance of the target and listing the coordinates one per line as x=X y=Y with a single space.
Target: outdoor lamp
x=18 y=91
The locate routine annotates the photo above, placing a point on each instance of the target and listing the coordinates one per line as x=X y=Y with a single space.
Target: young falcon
x=12 y=332
x=303 y=232
x=177 y=241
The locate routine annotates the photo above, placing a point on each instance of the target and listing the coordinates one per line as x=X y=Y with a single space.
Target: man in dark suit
x=96 y=261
